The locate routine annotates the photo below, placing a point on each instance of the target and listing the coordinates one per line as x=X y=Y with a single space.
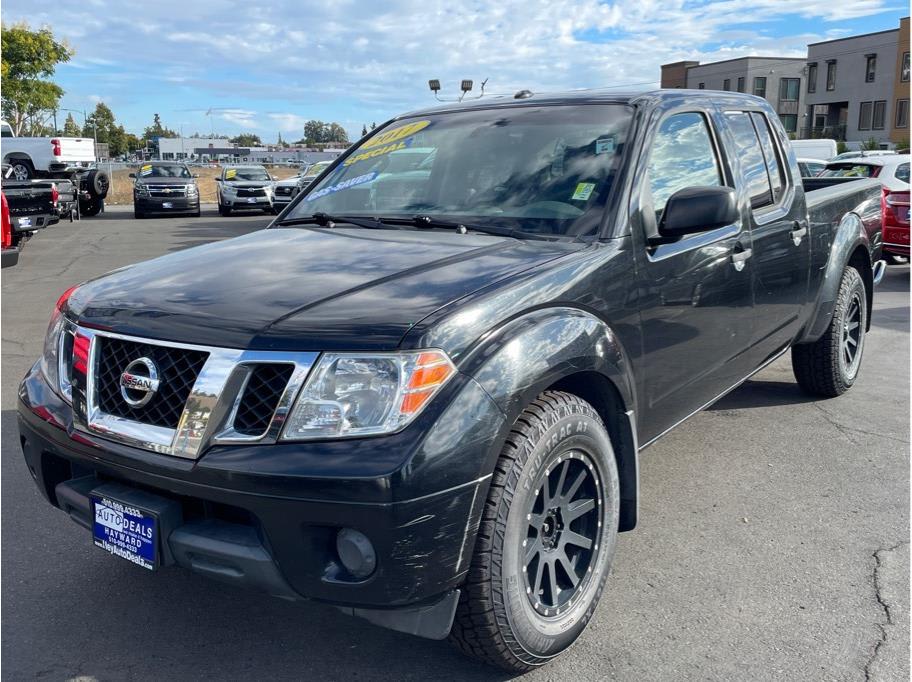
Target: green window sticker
x=583 y=191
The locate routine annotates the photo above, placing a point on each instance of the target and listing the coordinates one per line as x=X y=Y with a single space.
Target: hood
x=303 y=288
x=248 y=183
x=288 y=182
x=165 y=181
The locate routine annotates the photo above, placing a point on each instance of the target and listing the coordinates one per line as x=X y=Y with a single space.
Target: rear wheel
x=21 y=169
x=829 y=366
x=546 y=538
x=92 y=207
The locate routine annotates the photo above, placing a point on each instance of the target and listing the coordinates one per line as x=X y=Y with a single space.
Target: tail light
x=7 y=234
x=895 y=208
x=55 y=147
x=55 y=195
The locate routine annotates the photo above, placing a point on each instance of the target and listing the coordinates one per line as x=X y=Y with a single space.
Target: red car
x=893 y=172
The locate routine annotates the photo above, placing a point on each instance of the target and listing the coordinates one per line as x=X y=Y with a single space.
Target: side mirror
x=698 y=209
x=132 y=175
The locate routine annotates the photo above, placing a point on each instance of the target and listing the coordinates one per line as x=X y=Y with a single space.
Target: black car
x=421 y=394
x=165 y=187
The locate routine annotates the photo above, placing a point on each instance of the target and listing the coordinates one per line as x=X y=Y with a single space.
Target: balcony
x=837 y=132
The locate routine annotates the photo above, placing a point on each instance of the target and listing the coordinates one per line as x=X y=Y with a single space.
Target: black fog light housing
x=356 y=552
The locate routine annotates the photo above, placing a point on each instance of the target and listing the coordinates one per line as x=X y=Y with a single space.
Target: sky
x=267 y=67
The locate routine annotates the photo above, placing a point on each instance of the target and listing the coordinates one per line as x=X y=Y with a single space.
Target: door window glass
x=682 y=155
x=770 y=154
x=753 y=165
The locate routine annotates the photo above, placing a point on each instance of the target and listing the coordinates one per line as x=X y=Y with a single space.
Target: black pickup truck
x=33 y=205
x=421 y=395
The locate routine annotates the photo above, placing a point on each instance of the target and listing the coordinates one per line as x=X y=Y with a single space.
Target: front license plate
x=25 y=222
x=251 y=200
x=125 y=531
x=167 y=204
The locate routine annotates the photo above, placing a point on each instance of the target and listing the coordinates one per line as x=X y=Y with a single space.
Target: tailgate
x=75 y=150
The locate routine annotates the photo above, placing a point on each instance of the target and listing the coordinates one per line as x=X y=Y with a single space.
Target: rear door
x=779 y=231
x=695 y=299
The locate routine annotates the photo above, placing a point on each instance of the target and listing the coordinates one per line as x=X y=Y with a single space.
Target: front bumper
x=266 y=517
x=241 y=203
x=158 y=205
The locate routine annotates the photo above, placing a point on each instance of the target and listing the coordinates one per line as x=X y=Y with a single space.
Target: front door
x=695 y=293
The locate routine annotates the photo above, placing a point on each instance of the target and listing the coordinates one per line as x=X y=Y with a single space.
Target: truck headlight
x=141 y=189
x=370 y=394
x=192 y=191
x=50 y=357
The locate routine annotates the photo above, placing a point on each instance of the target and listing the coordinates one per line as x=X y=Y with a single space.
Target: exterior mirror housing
x=698 y=209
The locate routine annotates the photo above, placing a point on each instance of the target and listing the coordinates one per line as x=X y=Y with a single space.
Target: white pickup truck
x=69 y=158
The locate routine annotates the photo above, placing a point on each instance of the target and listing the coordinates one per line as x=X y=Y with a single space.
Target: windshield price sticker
x=605 y=145
x=345 y=184
x=230 y=173
x=124 y=531
x=583 y=191
x=146 y=169
x=386 y=142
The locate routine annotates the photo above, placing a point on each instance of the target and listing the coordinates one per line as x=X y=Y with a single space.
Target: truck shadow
x=759 y=393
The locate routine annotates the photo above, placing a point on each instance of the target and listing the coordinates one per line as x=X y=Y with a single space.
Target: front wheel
x=546 y=538
x=829 y=366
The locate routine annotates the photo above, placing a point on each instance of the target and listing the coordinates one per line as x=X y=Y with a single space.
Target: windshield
x=316 y=169
x=850 y=170
x=164 y=171
x=545 y=169
x=246 y=174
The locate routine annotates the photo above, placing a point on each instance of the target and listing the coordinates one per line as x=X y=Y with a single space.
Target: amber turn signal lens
x=432 y=369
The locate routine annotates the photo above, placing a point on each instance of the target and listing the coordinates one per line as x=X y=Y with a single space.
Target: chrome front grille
x=205 y=395
x=165 y=191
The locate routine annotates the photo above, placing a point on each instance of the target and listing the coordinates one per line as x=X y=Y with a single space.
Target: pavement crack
x=887 y=620
x=830 y=419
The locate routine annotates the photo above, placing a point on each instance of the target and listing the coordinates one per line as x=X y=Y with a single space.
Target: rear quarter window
x=750 y=154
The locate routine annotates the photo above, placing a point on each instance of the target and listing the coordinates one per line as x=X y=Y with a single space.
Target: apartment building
x=778 y=80
x=857 y=88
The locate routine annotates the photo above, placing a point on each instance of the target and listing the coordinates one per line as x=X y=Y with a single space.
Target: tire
x=224 y=211
x=138 y=215
x=21 y=169
x=99 y=182
x=829 y=366
x=504 y=617
x=92 y=207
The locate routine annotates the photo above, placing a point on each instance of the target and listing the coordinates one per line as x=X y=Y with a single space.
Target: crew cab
x=165 y=187
x=243 y=188
x=423 y=401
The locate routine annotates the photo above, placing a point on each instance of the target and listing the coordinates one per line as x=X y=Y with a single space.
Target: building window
x=902 y=113
x=701 y=86
x=740 y=83
x=760 y=86
x=812 y=77
x=880 y=115
x=831 y=75
x=788 y=89
x=789 y=122
x=870 y=67
x=904 y=71
x=727 y=84
x=864 y=115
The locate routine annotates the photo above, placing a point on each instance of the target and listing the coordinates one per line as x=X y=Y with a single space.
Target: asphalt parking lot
x=773 y=541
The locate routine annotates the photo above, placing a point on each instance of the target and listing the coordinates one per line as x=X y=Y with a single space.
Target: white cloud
x=364 y=61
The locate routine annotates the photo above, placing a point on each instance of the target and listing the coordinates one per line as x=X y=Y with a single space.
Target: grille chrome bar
x=207 y=415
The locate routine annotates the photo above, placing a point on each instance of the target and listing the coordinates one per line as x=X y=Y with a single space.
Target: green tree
x=247 y=140
x=870 y=144
x=157 y=129
x=71 y=128
x=28 y=60
x=363 y=130
x=336 y=133
x=314 y=132
x=373 y=125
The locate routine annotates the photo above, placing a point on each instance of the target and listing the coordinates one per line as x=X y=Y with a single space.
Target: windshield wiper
x=325 y=220
x=431 y=222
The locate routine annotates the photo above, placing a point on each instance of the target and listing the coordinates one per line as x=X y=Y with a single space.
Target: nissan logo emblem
x=139 y=382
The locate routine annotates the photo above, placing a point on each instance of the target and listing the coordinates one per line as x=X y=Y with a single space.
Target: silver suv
x=245 y=187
